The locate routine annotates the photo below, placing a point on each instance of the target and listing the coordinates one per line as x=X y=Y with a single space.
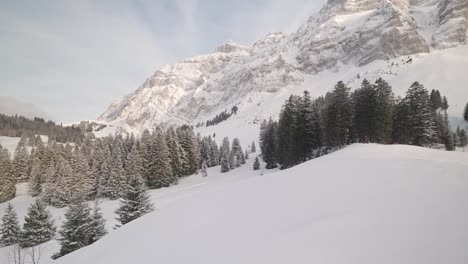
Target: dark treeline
x=221 y=117
x=308 y=128
x=16 y=126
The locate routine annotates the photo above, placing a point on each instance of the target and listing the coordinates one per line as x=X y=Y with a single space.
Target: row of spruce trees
x=101 y=167
x=308 y=128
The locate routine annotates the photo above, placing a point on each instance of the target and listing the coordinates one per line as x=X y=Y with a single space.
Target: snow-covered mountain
x=400 y=40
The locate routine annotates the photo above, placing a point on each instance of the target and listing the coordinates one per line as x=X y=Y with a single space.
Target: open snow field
x=364 y=204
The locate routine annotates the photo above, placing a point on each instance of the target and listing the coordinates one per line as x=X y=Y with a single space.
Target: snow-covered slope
x=371 y=37
x=364 y=204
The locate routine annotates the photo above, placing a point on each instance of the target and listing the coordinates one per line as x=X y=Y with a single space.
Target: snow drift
x=363 y=204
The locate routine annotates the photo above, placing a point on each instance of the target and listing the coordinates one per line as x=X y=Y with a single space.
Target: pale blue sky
x=72 y=58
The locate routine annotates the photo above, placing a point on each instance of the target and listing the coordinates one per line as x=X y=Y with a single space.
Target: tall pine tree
x=38 y=226
x=10 y=229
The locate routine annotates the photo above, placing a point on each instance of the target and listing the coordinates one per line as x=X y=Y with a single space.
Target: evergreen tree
x=38 y=226
x=246 y=155
x=364 y=108
x=288 y=133
x=421 y=125
x=176 y=153
x=7 y=177
x=256 y=165
x=237 y=152
x=135 y=202
x=77 y=229
x=116 y=178
x=10 y=229
x=339 y=116
x=225 y=155
x=98 y=224
x=268 y=144
x=384 y=104
x=253 y=149
x=189 y=145
x=401 y=117
x=35 y=181
x=21 y=160
x=465 y=113
x=204 y=169
x=160 y=169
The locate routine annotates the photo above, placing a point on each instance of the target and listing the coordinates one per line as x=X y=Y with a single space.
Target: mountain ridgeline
x=345 y=33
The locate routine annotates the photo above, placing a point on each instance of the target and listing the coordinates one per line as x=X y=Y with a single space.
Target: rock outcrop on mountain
x=344 y=32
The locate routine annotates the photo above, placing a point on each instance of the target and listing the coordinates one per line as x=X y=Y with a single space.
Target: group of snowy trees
x=38 y=228
x=102 y=168
x=308 y=128
x=15 y=126
x=229 y=156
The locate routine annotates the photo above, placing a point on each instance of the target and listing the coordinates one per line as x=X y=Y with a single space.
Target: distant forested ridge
x=16 y=126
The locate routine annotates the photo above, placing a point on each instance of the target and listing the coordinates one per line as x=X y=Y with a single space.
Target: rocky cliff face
x=344 y=32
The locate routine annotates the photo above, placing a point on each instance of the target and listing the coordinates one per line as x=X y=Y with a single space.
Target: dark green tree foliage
x=364 y=105
x=421 y=125
x=465 y=113
x=238 y=153
x=188 y=142
x=401 y=133
x=7 y=177
x=225 y=155
x=21 y=160
x=253 y=148
x=288 y=133
x=436 y=100
x=135 y=202
x=339 y=116
x=383 y=112
x=269 y=142
x=256 y=165
x=9 y=229
x=97 y=225
x=38 y=226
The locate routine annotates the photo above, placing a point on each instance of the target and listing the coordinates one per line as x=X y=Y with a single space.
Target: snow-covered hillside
x=363 y=204
x=400 y=40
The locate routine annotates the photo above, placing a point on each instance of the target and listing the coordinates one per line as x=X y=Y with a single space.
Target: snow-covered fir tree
x=9 y=229
x=225 y=155
x=246 y=155
x=339 y=116
x=176 y=153
x=269 y=142
x=38 y=226
x=421 y=125
x=204 y=169
x=7 y=177
x=238 y=153
x=135 y=202
x=35 y=180
x=253 y=148
x=98 y=224
x=76 y=231
x=189 y=144
x=256 y=165
x=160 y=171
x=21 y=160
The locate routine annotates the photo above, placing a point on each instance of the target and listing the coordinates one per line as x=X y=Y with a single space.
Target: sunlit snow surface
x=363 y=204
